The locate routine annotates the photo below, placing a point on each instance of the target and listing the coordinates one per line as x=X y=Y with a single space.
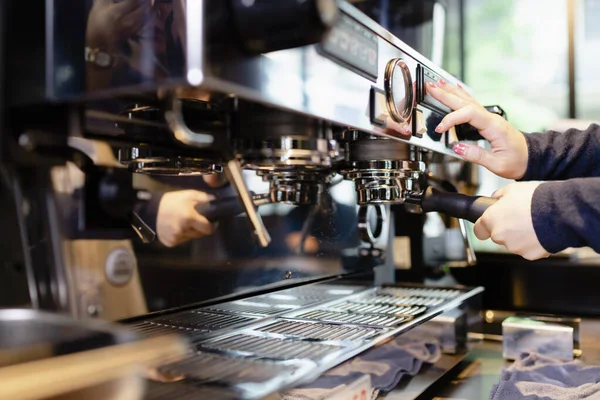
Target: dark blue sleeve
x=567 y=214
x=558 y=156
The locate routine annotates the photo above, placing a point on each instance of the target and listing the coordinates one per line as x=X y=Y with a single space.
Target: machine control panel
x=425 y=75
x=399 y=90
x=354 y=46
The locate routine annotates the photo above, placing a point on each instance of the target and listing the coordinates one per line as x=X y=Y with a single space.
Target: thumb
x=499 y=193
x=475 y=154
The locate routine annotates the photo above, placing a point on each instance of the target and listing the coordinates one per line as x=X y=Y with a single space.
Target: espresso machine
x=304 y=96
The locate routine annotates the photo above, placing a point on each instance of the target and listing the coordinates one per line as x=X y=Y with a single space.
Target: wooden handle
x=64 y=374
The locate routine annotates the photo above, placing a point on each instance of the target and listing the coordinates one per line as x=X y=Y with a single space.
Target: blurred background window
x=587 y=59
x=516 y=54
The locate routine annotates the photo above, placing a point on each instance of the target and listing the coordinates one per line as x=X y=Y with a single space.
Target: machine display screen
x=354 y=45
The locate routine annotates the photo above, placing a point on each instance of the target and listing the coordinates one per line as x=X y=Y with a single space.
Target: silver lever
x=471 y=258
x=181 y=131
x=233 y=169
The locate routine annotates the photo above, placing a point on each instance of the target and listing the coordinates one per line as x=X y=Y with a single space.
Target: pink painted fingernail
x=430 y=84
x=439 y=128
x=441 y=81
x=460 y=149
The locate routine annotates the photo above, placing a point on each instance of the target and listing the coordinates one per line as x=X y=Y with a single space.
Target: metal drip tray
x=190 y=323
x=325 y=292
x=274 y=348
x=445 y=294
x=317 y=331
x=391 y=309
x=252 y=307
x=205 y=375
x=149 y=328
x=288 y=299
x=216 y=368
x=402 y=301
x=250 y=348
x=353 y=318
x=203 y=320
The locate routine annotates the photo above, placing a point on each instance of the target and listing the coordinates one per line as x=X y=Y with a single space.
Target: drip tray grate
x=390 y=309
x=446 y=294
x=216 y=368
x=401 y=301
x=203 y=320
x=317 y=331
x=149 y=328
x=272 y=348
x=353 y=318
x=252 y=307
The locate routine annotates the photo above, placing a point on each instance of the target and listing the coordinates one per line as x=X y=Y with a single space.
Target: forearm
x=558 y=156
x=567 y=214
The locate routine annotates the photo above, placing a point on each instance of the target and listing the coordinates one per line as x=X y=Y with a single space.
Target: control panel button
x=378 y=108
x=398 y=89
x=421 y=125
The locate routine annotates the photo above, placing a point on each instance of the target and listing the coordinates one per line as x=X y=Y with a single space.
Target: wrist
x=100 y=58
x=522 y=161
x=528 y=165
x=544 y=211
x=104 y=41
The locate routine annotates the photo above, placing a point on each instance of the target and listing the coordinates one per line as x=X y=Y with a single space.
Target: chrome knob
x=399 y=90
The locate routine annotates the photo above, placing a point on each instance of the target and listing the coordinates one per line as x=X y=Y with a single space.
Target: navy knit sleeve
x=558 y=156
x=567 y=214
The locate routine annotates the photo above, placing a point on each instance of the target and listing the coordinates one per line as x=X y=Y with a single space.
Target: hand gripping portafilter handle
x=218 y=209
x=456 y=205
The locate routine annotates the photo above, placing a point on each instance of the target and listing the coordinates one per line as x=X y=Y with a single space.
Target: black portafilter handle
x=225 y=207
x=456 y=205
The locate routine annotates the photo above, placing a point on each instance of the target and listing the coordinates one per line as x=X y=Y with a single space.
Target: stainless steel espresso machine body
x=294 y=103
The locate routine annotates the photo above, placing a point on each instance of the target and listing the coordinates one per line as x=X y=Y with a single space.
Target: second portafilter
x=391 y=172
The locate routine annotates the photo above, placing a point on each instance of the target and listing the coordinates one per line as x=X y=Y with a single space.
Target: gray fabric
x=535 y=376
x=386 y=365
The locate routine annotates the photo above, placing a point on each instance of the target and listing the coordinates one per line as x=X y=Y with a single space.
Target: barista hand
x=508 y=157
x=509 y=221
x=177 y=220
x=110 y=21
